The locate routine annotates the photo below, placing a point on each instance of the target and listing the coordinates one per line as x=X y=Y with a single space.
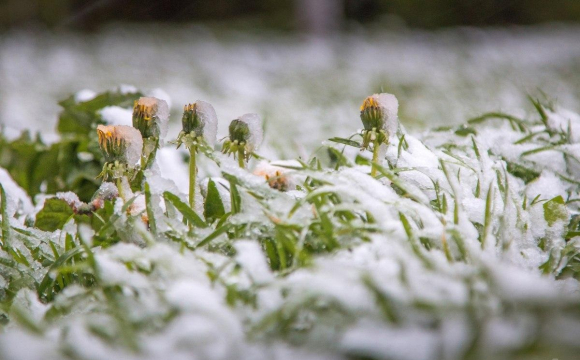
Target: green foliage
x=348 y=142
x=336 y=209
x=213 y=207
x=555 y=210
x=183 y=208
x=73 y=163
x=54 y=215
x=80 y=117
x=527 y=175
x=5 y=221
x=465 y=131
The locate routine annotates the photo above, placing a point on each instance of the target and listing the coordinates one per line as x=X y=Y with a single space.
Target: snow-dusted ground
x=438 y=259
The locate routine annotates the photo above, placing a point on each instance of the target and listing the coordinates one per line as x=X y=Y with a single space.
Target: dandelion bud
x=239 y=131
x=379 y=117
x=150 y=116
x=245 y=134
x=199 y=120
x=380 y=111
x=121 y=146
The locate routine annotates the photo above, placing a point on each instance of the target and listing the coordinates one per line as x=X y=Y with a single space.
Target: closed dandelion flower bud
x=150 y=116
x=245 y=137
x=247 y=130
x=379 y=111
x=379 y=117
x=239 y=131
x=200 y=120
x=199 y=129
x=121 y=146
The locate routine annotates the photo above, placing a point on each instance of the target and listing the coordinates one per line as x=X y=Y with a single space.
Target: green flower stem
x=375 y=157
x=241 y=157
x=192 y=175
x=120 y=188
x=150 y=147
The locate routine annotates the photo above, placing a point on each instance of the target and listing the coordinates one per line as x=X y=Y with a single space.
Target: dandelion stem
x=150 y=146
x=120 y=188
x=375 y=157
x=241 y=157
x=192 y=175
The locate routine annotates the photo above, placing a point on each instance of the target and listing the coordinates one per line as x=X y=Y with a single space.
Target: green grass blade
x=184 y=209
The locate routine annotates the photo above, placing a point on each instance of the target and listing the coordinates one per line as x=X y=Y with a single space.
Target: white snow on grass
x=465 y=246
x=452 y=251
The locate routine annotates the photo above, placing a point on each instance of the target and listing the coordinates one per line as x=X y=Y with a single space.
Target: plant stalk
x=241 y=157
x=150 y=147
x=375 y=157
x=192 y=175
x=120 y=188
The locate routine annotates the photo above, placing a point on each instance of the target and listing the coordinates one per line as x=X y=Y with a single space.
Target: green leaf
x=213 y=207
x=345 y=141
x=465 y=130
x=49 y=278
x=361 y=160
x=337 y=158
x=235 y=197
x=488 y=216
x=555 y=210
x=150 y=214
x=5 y=220
x=517 y=124
x=214 y=235
x=183 y=208
x=80 y=118
x=32 y=163
x=517 y=170
x=53 y=215
x=414 y=241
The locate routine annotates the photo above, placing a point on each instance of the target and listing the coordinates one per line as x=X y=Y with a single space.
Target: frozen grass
x=463 y=247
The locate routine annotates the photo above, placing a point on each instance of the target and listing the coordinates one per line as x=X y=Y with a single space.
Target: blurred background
x=304 y=65
x=290 y=15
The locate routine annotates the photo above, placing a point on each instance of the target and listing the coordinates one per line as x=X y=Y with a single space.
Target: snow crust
x=208 y=118
x=390 y=109
x=427 y=288
x=256 y=133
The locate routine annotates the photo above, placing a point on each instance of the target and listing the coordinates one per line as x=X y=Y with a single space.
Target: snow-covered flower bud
x=245 y=135
x=150 y=116
x=199 y=121
x=122 y=146
x=378 y=113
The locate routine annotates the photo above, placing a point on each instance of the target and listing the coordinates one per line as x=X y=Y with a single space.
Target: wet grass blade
x=184 y=209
